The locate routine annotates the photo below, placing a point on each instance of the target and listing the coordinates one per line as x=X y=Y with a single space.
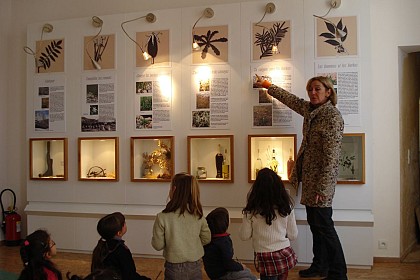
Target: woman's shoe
x=311 y=273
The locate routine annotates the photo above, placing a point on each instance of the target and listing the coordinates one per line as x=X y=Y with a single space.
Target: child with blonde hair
x=181 y=231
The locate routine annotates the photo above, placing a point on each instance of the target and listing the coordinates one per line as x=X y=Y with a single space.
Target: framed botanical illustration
x=352 y=159
x=210 y=158
x=274 y=151
x=98 y=158
x=152 y=159
x=48 y=159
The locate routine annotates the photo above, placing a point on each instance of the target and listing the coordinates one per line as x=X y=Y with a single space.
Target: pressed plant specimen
x=270 y=37
x=152 y=45
x=99 y=46
x=49 y=55
x=208 y=41
x=336 y=35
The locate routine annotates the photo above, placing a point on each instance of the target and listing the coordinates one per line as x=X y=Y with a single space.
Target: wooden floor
x=79 y=263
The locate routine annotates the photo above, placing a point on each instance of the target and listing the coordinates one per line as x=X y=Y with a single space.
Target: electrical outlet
x=382 y=244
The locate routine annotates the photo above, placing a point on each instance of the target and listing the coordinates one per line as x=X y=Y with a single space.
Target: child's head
x=218 y=220
x=37 y=246
x=184 y=194
x=268 y=195
x=112 y=225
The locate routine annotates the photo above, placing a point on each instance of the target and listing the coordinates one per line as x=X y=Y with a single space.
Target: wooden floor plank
x=79 y=263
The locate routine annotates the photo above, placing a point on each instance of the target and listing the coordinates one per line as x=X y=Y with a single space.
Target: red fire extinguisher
x=11 y=221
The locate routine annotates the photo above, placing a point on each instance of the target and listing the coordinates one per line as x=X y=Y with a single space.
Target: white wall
x=12 y=110
x=385 y=25
x=394 y=25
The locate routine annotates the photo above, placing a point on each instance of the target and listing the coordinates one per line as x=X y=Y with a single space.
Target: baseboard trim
x=386 y=260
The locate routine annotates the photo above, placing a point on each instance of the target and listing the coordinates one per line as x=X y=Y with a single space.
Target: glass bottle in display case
x=274 y=163
x=219 y=163
x=226 y=165
x=258 y=165
x=290 y=164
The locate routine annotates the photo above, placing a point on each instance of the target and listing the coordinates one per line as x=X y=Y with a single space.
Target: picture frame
x=152 y=158
x=211 y=158
x=274 y=151
x=98 y=158
x=48 y=159
x=352 y=159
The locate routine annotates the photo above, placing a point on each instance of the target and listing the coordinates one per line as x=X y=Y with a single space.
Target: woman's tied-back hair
x=33 y=254
x=268 y=196
x=328 y=84
x=218 y=220
x=108 y=227
x=185 y=195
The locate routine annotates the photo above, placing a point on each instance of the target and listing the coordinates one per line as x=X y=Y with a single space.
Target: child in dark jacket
x=111 y=252
x=218 y=254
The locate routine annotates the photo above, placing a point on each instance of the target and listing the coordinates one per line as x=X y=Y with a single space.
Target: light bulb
x=340 y=33
x=146 y=56
x=274 y=49
x=96 y=64
x=195 y=46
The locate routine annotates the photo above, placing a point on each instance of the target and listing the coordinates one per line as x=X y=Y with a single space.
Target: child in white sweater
x=269 y=220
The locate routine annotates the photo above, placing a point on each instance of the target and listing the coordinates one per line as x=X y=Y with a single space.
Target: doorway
x=409 y=153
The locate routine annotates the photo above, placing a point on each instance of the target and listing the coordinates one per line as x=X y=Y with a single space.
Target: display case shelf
x=48 y=159
x=98 y=158
x=152 y=159
x=275 y=151
x=210 y=158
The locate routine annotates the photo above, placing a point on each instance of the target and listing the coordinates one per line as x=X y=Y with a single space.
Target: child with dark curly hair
x=269 y=220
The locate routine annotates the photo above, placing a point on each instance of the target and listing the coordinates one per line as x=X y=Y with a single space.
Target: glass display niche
x=48 y=159
x=210 y=158
x=152 y=159
x=275 y=151
x=98 y=158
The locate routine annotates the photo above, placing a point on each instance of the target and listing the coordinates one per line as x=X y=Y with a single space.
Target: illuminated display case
x=48 y=159
x=152 y=159
x=352 y=159
x=210 y=158
x=98 y=158
x=275 y=151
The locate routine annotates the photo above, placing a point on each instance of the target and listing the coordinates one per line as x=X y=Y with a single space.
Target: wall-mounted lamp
x=208 y=13
x=338 y=32
x=96 y=22
x=269 y=9
x=149 y=18
x=46 y=28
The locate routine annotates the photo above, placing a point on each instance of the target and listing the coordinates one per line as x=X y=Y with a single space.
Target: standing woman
x=317 y=168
